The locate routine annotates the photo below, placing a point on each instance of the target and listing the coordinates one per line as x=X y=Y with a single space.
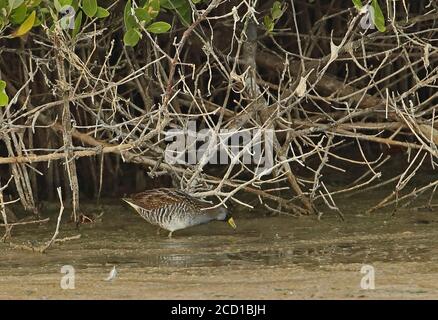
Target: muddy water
x=266 y=257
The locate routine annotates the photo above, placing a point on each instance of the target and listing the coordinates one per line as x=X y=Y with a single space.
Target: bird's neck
x=218 y=213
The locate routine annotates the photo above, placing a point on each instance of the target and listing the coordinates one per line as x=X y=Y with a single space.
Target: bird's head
x=225 y=215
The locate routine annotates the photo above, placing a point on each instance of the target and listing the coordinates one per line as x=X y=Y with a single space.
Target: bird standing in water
x=174 y=209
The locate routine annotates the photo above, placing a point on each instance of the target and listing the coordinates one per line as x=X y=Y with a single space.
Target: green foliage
x=128 y=18
x=378 y=18
x=357 y=4
x=159 y=27
x=4 y=99
x=182 y=9
x=18 y=17
x=132 y=36
x=89 y=7
x=276 y=11
x=14 y=4
x=26 y=25
x=23 y=15
x=19 y=14
x=77 y=24
x=153 y=7
x=142 y=17
x=270 y=20
x=101 y=13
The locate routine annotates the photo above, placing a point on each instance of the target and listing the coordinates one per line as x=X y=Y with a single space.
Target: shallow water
x=266 y=257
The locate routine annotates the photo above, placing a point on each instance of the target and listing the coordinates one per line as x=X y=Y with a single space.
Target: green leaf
x=143 y=15
x=154 y=8
x=37 y=22
x=182 y=8
x=89 y=7
x=65 y=2
x=128 y=18
x=75 y=5
x=19 y=14
x=269 y=24
x=159 y=27
x=33 y=3
x=3 y=4
x=14 y=4
x=276 y=11
x=4 y=99
x=57 y=5
x=185 y=14
x=25 y=26
x=102 y=12
x=378 y=19
x=173 y=4
x=78 y=23
x=166 y=5
x=53 y=14
x=131 y=37
x=357 y=4
x=127 y=12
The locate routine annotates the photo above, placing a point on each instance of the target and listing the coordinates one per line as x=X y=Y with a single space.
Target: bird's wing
x=155 y=199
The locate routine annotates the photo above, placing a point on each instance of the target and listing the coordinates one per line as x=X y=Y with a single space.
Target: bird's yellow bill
x=231 y=223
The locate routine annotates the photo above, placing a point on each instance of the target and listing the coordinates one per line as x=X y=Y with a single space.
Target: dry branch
x=334 y=96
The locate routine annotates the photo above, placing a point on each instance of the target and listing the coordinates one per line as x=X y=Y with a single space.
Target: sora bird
x=174 y=209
